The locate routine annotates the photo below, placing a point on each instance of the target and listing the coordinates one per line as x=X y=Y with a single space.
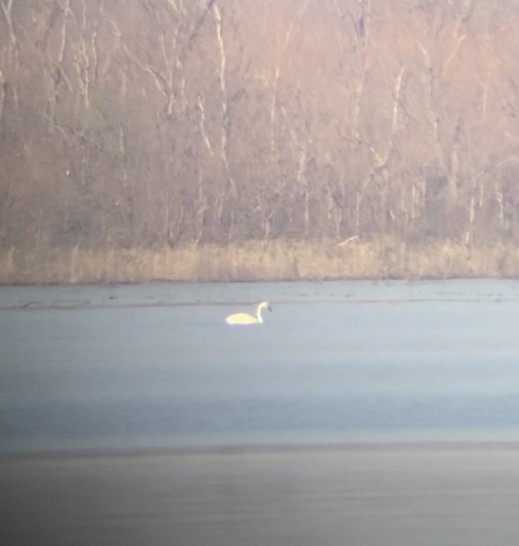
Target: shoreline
x=268 y=261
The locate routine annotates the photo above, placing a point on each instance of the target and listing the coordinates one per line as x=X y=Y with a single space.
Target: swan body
x=246 y=318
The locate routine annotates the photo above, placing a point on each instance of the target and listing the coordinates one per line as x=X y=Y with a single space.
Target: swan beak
x=269 y=308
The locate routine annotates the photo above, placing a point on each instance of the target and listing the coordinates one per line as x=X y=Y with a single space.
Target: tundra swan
x=246 y=318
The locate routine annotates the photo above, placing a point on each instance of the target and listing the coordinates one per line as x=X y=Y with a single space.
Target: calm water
x=369 y=366
x=156 y=365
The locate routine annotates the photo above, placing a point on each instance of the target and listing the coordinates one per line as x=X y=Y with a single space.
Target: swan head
x=264 y=305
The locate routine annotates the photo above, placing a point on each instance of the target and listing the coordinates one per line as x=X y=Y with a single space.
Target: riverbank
x=260 y=260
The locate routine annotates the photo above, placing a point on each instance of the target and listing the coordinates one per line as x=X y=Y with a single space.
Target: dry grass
x=257 y=260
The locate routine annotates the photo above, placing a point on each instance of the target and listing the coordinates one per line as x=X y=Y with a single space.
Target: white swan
x=246 y=318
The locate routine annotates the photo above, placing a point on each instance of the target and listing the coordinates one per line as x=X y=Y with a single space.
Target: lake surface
x=376 y=412
x=156 y=365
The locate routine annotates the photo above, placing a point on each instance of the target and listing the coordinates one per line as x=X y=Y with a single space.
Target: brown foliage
x=173 y=124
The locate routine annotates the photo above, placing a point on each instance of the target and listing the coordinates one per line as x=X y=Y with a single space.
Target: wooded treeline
x=171 y=124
